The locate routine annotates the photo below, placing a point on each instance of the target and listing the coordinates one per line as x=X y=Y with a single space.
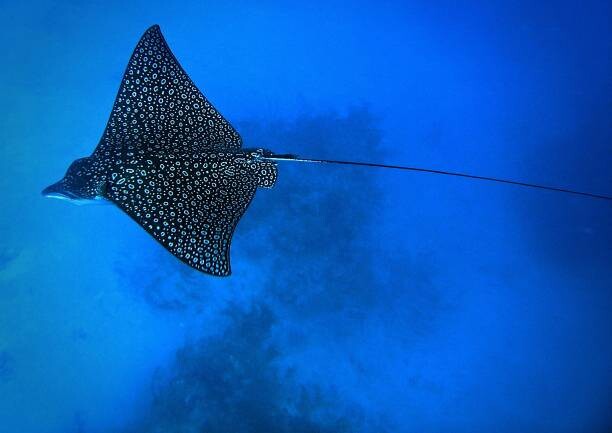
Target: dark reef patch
x=317 y=281
x=229 y=383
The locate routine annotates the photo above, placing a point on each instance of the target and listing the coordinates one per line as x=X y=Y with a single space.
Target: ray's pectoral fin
x=154 y=83
x=190 y=205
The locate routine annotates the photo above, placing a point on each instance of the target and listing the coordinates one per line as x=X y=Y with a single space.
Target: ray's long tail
x=295 y=158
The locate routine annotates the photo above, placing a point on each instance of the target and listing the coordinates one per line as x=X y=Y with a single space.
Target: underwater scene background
x=361 y=300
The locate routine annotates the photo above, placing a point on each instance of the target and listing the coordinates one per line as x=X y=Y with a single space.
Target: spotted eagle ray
x=175 y=165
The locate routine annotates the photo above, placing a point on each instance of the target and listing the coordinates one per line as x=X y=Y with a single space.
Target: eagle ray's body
x=171 y=161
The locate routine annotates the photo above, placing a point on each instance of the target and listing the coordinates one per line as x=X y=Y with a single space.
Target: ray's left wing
x=159 y=109
x=191 y=204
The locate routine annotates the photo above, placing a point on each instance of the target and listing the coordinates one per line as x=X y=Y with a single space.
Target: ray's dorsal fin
x=159 y=108
x=191 y=204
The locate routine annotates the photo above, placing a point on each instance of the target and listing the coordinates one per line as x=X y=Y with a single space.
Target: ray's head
x=81 y=184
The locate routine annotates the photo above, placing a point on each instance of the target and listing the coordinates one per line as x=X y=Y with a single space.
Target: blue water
x=362 y=300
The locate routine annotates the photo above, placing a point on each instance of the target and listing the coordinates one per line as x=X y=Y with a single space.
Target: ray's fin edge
x=151 y=233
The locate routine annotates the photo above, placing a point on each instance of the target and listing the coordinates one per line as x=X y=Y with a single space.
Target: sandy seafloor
x=362 y=300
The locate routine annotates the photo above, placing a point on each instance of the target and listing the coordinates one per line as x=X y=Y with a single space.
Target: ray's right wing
x=161 y=109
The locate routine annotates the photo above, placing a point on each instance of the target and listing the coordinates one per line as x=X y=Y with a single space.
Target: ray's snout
x=57 y=190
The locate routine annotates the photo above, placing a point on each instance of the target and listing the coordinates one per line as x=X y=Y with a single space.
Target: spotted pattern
x=191 y=203
x=158 y=103
x=171 y=161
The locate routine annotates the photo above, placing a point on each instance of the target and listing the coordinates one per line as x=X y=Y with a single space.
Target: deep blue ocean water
x=362 y=300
